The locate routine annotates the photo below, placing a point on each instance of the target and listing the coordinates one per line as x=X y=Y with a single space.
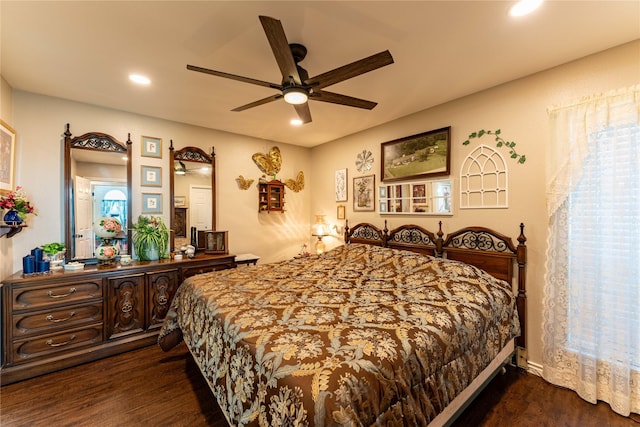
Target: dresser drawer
x=36 y=297
x=47 y=321
x=28 y=349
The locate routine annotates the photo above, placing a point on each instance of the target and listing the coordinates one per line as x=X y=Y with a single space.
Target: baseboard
x=534 y=368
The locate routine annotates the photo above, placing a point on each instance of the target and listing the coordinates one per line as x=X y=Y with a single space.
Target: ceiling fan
x=179 y=168
x=297 y=87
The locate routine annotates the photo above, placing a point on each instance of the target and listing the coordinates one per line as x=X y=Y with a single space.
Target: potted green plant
x=54 y=251
x=150 y=238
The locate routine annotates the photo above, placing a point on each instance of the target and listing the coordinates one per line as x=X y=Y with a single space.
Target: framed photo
x=151 y=203
x=341 y=214
x=341 y=185
x=180 y=201
x=151 y=176
x=419 y=193
x=425 y=154
x=364 y=194
x=7 y=157
x=216 y=242
x=151 y=147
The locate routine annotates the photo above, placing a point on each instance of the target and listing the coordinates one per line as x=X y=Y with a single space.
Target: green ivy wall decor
x=499 y=143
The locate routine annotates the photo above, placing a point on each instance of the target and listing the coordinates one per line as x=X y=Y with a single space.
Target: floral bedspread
x=358 y=336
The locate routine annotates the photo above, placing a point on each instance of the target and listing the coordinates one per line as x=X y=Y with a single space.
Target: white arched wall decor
x=484 y=180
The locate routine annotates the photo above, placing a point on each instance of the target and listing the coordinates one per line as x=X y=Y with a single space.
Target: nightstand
x=246 y=259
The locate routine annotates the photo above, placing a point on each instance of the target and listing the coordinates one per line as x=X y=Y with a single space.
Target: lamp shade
x=107 y=227
x=320 y=226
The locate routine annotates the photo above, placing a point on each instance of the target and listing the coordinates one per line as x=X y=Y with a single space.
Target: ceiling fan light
x=295 y=95
x=181 y=169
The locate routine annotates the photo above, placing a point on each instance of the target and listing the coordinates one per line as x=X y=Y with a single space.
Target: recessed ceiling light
x=296 y=122
x=524 y=7
x=137 y=78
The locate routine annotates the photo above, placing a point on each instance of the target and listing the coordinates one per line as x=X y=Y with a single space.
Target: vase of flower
x=12 y=217
x=150 y=238
x=17 y=207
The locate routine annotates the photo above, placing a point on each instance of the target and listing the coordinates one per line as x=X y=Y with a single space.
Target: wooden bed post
x=521 y=299
x=346 y=231
x=385 y=236
x=439 y=241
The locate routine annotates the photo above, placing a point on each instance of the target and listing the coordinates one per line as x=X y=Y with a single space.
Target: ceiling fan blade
x=336 y=98
x=258 y=102
x=348 y=71
x=303 y=112
x=234 y=77
x=280 y=47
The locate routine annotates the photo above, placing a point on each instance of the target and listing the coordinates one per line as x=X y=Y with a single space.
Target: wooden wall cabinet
x=271 y=196
x=64 y=319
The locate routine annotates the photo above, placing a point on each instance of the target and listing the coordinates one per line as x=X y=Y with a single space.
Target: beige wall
x=40 y=124
x=6 y=114
x=519 y=109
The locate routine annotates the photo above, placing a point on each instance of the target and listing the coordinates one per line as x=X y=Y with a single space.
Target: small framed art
x=180 y=201
x=364 y=193
x=8 y=157
x=151 y=203
x=151 y=147
x=341 y=185
x=151 y=176
x=341 y=214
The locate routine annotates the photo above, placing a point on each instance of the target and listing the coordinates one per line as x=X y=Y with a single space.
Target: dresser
x=63 y=319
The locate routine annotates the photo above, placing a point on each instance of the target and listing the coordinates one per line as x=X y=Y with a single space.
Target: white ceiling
x=443 y=50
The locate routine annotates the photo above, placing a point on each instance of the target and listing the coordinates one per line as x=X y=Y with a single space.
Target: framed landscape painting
x=417 y=156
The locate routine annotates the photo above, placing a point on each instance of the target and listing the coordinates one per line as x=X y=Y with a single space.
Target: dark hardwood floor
x=147 y=387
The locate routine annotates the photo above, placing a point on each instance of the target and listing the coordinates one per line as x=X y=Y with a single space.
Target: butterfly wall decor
x=269 y=163
x=297 y=184
x=244 y=183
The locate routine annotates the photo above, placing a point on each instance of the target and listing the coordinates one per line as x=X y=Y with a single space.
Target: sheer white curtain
x=592 y=288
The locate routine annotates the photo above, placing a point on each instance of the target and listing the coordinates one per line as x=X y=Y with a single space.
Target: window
x=604 y=249
x=591 y=338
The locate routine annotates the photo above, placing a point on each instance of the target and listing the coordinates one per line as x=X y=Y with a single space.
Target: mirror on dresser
x=97 y=183
x=192 y=190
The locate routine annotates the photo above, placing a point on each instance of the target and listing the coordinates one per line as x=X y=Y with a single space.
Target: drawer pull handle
x=50 y=343
x=50 y=318
x=71 y=292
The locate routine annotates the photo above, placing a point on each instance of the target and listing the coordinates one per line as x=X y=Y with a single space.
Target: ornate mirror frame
x=100 y=142
x=190 y=154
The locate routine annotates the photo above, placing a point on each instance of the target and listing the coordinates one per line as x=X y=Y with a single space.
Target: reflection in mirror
x=192 y=189
x=97 y=183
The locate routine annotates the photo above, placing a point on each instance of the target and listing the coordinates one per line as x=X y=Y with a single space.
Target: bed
x=396 y=327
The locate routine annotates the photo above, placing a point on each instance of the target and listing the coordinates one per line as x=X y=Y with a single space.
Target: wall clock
x=364 y=161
